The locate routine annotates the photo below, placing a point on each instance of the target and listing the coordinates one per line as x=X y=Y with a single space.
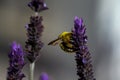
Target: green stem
x=32 y=66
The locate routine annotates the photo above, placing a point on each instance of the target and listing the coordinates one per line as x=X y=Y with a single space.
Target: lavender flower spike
x=37 y=5
x=16 y=62
x=83 y=58
x=33 y=43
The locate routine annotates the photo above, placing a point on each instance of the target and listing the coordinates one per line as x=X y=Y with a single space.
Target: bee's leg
x=55 y=42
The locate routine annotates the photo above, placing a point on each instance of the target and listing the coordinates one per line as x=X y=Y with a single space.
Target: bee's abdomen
x=68 y=47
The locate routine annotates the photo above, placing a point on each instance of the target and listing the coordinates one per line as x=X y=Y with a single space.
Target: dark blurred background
x=101 y=18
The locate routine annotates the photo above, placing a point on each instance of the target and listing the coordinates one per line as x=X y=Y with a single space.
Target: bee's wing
x=55 y=42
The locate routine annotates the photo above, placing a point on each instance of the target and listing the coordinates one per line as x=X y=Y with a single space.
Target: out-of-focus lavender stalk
x=33 y=43
x=34 y=32
x=16 y=62
x=83 y=57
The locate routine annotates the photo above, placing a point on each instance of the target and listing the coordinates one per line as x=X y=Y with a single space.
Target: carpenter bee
x=65 y=41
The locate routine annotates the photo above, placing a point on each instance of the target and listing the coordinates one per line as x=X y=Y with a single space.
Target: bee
x=65 y=41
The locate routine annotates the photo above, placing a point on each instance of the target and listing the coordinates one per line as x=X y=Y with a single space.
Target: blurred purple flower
x=33 y=43
x=16 y=62
x=83 y=57
x=38 y=5
x=44 y=76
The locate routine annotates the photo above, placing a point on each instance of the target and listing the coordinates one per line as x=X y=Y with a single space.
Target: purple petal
x=44 y=76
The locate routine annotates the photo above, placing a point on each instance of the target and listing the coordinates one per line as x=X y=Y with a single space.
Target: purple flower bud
x=38 y=5
x=44 y=76
x=33 y=43
x=83 y=58
x=16 y=62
